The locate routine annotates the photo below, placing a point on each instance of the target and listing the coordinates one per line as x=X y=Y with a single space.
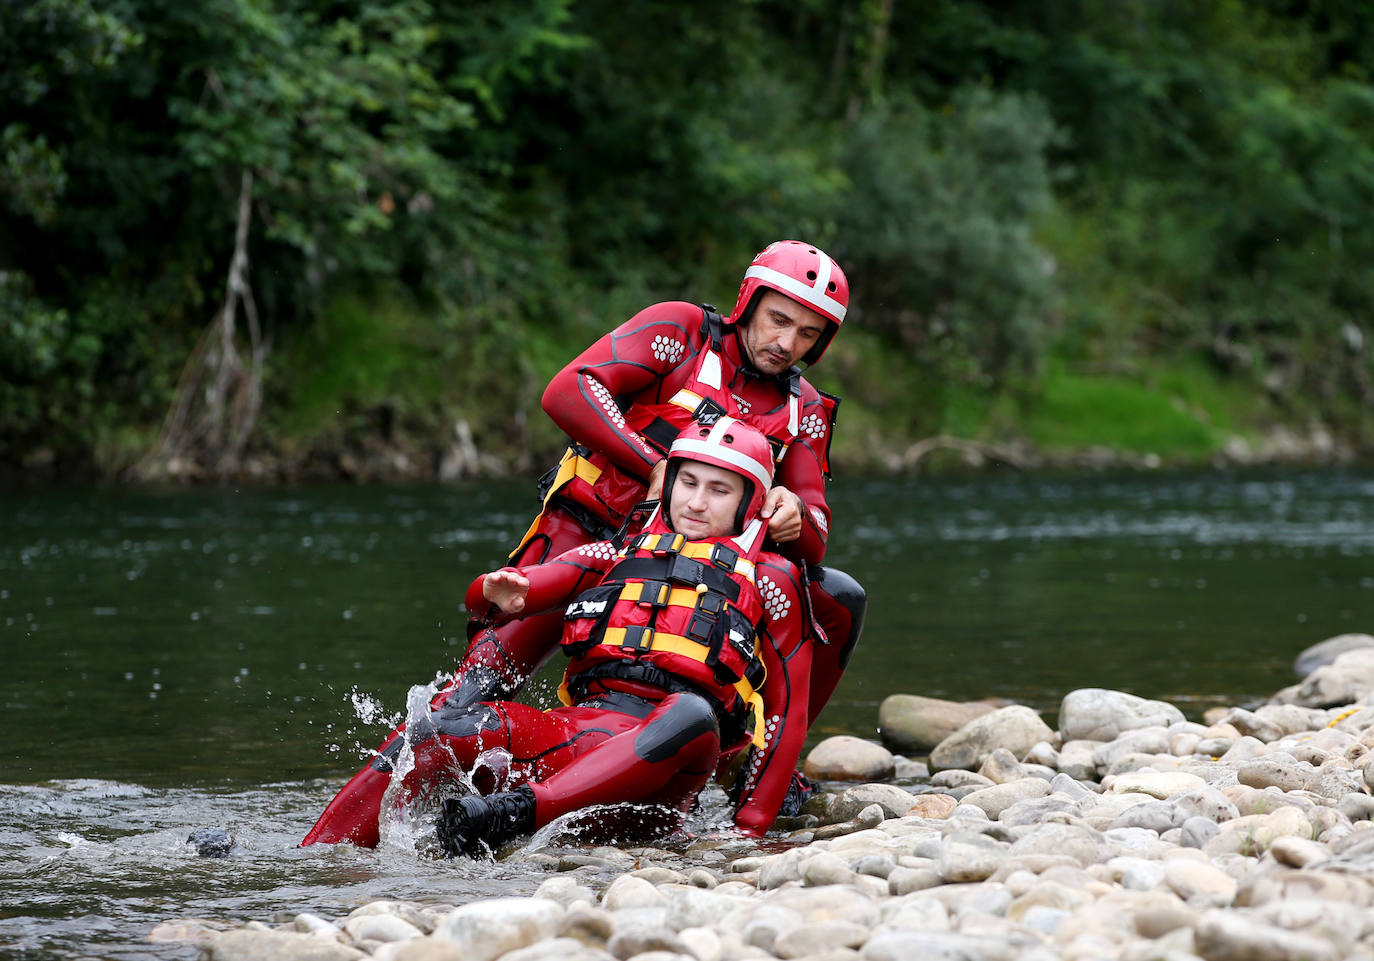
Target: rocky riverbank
x=1128 y=833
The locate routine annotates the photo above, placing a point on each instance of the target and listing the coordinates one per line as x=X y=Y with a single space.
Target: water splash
x=413 y=798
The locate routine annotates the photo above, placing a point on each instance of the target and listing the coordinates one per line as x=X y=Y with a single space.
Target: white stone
x=380 y=927
x=996 y=799
x=628 y=891
x=1101 y=715
x=484 y=930
x=1226 y=936
x=1199 y=884
x=1164 y=785
x=1016 y=728
x=820 y=936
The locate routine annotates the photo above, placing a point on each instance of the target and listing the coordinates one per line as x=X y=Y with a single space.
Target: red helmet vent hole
x=810 y=275
x=830 y=286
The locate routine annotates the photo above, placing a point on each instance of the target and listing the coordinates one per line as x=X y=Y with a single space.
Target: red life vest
x=591 y=481
x=688 y=609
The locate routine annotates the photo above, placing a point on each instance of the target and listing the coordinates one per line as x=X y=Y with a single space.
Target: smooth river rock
x=911 y=724
x=1016 y=728
x=1097 y=714
x=847 y=758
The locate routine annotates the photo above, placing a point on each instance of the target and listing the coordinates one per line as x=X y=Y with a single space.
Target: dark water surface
x=215 y=658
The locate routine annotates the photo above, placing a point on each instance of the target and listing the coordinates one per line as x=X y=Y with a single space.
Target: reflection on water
x=225 y=659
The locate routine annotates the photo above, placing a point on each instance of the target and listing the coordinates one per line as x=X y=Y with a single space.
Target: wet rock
x=1015 y=728
x=845 y=758
x=1101 y=715
x=211 y=842
x=915 y=724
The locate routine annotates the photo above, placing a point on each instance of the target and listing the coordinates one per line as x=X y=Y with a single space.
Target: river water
x=184 y=659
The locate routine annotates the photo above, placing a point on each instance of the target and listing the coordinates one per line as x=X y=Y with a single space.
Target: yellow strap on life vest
x=572 y=465
x=677 y=644
x=665 y=595
x=696 y=550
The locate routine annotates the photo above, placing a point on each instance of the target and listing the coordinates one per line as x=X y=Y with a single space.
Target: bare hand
x=782 y=509
x=656 y=480
x=507 y=590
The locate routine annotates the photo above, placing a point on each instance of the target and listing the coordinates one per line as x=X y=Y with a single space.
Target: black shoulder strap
x=711 y=326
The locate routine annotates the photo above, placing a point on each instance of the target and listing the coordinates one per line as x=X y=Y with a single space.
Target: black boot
x=799 y=791
x=470 y=826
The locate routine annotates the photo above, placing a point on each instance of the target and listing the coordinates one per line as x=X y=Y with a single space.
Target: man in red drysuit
x=685 y=641
x=624 y=399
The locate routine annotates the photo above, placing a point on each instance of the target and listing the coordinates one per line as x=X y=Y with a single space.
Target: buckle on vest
x=659 y=544
x=724 y=557
x=637 y=639
x=702 y=627
x=708 y=412
x=654 y=594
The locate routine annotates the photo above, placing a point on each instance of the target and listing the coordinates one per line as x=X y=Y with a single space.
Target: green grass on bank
x=1183 y=412
x=423 y=373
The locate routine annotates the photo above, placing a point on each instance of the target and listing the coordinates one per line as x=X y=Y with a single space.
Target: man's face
x=704 y=500
x=780 y=332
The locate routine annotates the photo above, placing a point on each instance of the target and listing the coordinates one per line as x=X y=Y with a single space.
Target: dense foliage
x=449 y=199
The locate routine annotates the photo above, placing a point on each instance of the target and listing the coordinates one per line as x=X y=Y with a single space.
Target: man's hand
x=782 y=509
x=656 y=480
x=507 y=590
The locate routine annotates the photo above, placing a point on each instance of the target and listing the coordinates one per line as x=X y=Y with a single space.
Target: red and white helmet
x=804 y=273
x=729 y=444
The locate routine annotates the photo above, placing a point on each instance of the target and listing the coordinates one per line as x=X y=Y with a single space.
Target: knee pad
x=681 y=719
